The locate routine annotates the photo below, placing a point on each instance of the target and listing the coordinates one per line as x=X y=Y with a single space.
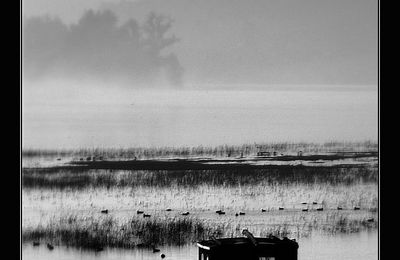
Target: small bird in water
x=139 y=211
x=370 y=220
x=36 y=243
x=241 y=213
x=339 y=208
x=105 y=211
x=185 y=213
x=162 y=256
x=281 y=208
x=50 y=247
x=304 y=210
x=356 y=208
x=155 y=250
x=146 y=215
x=263 y=210
x=168 y=209
x=314 y=203
x=320 y=209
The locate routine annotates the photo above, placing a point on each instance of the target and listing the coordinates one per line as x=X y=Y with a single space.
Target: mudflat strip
x=338 y=160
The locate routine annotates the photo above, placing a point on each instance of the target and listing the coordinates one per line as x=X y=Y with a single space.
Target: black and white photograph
x=200 y=129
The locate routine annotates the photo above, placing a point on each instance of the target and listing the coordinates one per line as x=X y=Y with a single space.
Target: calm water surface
x=360 y=246
x=107 y=118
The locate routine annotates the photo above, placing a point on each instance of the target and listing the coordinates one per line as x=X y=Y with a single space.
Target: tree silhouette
x=97 y=46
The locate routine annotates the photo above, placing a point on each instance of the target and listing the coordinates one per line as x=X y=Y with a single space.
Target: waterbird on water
x=241 y=213
x=139 y=211
x=304 y=209
x=281 y=208
x=185 y=213
x=263 y=210
x=162 y=256
x=36 y=243
x=320 y=209
x=168 y=209
x=356 y=208
x=339 y=208
x=50 y=247
x=146 y=215
x=105 y=211
x=155 y=250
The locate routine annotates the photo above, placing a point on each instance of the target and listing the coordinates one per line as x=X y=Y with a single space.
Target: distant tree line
x=98 y=46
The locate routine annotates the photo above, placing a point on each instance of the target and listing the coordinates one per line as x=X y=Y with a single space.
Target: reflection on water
x=183 y=253
x=363 y=245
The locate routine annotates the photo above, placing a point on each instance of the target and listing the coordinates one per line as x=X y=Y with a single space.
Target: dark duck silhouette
x=155 y=250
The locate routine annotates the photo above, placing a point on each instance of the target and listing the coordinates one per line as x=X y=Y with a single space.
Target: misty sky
x=255 y=41
x=219 y=72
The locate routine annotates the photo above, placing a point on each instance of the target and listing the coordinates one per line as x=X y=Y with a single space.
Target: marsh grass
x=90 y=232
x=48 y=178
x=204 y=151
x=75 y=197
x=95 y=232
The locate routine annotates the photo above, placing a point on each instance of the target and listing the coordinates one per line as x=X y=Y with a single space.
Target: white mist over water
x=73 y=115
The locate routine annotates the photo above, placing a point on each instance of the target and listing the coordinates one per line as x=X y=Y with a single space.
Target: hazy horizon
x=176 y=72
x=86 y=117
